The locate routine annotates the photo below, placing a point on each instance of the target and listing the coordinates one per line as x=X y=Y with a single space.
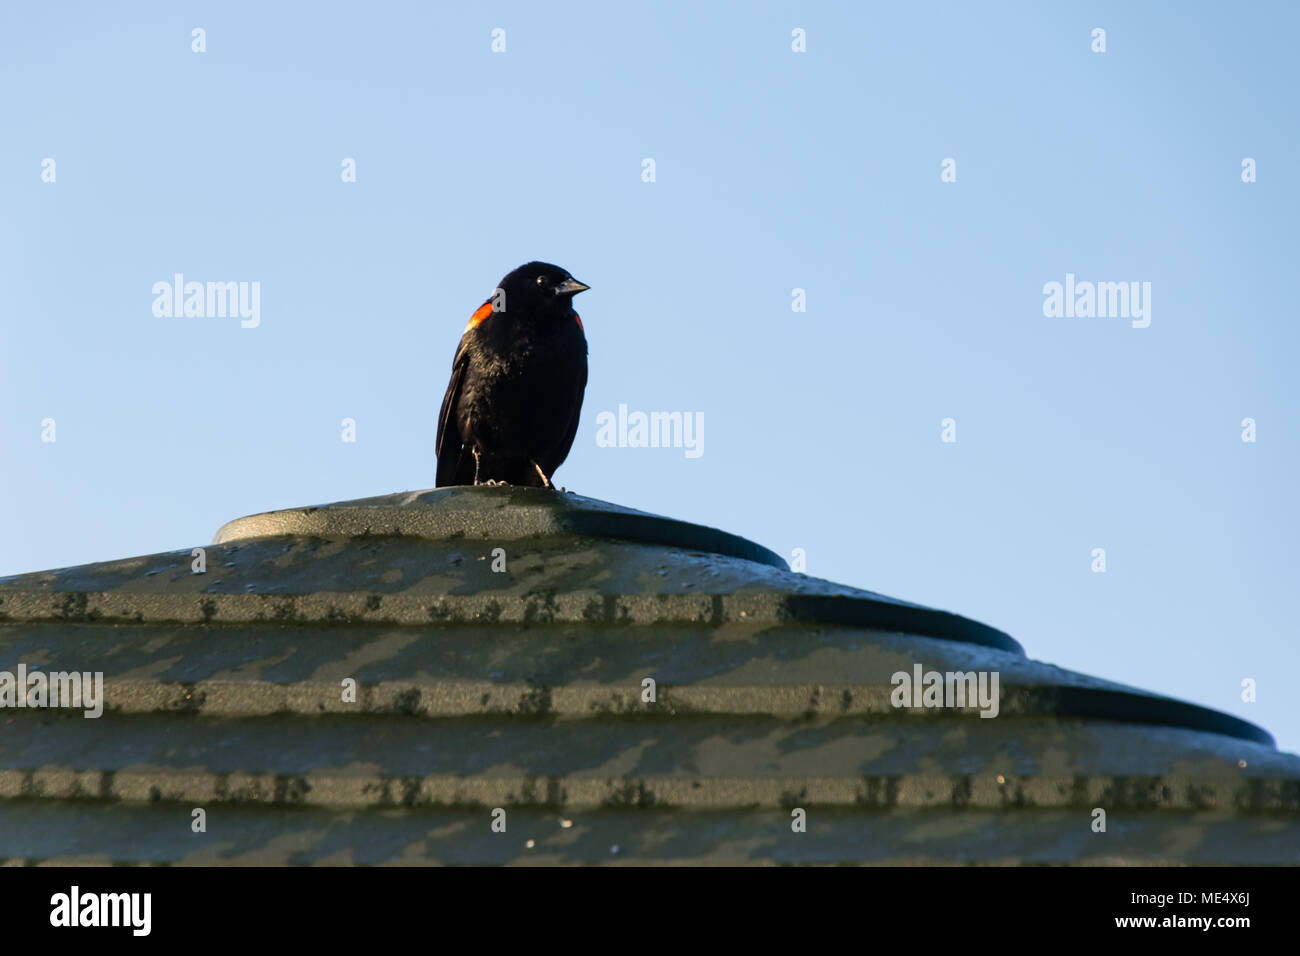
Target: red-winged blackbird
x=511 y=410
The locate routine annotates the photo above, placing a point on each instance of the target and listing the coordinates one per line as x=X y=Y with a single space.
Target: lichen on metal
x=501 y=641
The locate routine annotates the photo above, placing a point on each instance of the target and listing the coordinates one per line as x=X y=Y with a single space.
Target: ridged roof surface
x=522 y=689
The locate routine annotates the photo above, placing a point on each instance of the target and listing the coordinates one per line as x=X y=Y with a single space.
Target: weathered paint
x=523 y=690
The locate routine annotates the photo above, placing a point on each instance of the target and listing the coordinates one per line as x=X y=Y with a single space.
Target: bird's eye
x=541 y=280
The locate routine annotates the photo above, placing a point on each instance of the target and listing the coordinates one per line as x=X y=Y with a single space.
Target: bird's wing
x=448 y=445
x=572 y=431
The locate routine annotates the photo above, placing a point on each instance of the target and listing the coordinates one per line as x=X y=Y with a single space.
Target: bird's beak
x=570 y=286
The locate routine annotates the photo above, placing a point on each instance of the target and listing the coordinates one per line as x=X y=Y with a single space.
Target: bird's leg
x=478 y=465
x=546 y=482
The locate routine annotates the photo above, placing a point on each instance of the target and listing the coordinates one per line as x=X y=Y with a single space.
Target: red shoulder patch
x=481 y=313
x=578 y=319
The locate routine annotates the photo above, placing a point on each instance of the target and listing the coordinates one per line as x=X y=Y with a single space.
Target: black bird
x=511 y=409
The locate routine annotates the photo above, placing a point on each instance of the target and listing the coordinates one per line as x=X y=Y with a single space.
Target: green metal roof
x=522 y=690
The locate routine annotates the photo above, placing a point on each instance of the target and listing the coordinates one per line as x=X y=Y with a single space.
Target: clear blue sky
x=774 y=170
